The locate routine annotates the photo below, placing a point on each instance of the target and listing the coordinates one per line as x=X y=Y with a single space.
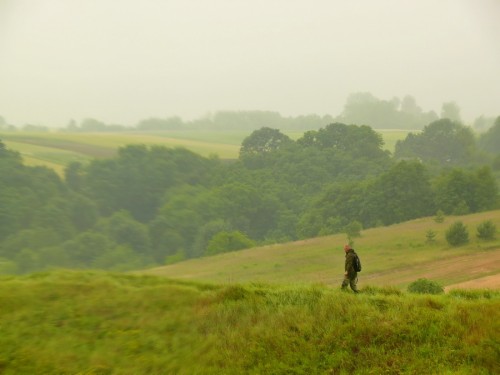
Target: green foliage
x=73 y=322
x=430 y=236
x=457 y=234
x=228 y=241
x=490 y=141
x=357 y=141
x=401 y=193
x=443 y=141
x=459 y=192
x=353 y=230
x=145 y=204
x=439 y=218
x=262 y=142
x=486 y=230
x=123 y=229
x=424 y=286
x=179 y=256
x=364 y=108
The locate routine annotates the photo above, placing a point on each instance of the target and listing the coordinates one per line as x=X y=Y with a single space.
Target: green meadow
x=392 y=256
x=56 y=149
x=66 y=322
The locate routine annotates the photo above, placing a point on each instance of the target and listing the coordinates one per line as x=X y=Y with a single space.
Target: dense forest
x=154 y=205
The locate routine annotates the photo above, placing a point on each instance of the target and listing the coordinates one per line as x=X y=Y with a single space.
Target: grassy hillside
x=100 y=323
x=56 y=149
x=395 y=255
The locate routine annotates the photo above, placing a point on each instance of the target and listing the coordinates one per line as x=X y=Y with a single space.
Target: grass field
x=56 y=149
x=101 y=323
x=392 y=256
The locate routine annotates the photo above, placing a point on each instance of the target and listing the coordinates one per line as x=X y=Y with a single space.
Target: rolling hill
x=270 y=310
x=392 y=256
x=55 y=149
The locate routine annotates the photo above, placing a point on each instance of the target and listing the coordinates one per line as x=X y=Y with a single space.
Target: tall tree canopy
x=490 y=141
x=443 y=141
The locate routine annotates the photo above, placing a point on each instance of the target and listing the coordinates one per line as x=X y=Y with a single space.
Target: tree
x=262 y=142
x=124 y=230
x=459 y=192
x=344 y=138
x=366 y=109
x=442 y=141
x=439 y=218
x=86 y=247
x=490 y=141
x=430 y=236
x=402 y=193
x=450 y=110
x=223 y=242
x=486 y=230
x=248 y=209
x=120 y=258
x=353 y=230
x=73 y=175
x=457 y=234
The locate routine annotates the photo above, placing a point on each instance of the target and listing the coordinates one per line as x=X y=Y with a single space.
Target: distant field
x=57 y=149
x=391 y=256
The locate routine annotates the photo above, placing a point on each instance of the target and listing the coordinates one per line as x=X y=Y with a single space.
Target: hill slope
x=101 y=323
x=394 y=255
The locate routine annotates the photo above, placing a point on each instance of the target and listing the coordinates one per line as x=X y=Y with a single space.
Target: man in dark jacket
x=350 y=275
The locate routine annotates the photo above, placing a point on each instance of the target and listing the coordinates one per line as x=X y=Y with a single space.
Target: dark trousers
x=351 y=280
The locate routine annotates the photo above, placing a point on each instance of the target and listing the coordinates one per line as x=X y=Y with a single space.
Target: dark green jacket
x=349 y=263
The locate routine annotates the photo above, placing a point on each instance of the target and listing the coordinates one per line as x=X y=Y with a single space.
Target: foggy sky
x=121 y=61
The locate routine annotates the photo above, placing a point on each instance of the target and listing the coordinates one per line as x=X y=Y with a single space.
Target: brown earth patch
x=470 y=271
x=487 y=282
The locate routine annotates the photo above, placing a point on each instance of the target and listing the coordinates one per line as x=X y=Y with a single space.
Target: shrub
x=228 y=241
x=439 y=218
x=457 y=234
x=486 y=230
x=353 y=229
x=430 y=236
x=424 y=286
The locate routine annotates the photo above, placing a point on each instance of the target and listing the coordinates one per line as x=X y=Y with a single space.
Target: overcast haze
x=121 y=61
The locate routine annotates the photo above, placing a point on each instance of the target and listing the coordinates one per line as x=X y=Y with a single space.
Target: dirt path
x=480 y=270
x=488 y=282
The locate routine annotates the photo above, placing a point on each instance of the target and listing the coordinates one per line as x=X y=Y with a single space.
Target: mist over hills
x=361 y=108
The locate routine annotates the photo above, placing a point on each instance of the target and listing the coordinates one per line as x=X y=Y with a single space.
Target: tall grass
x=101 y=323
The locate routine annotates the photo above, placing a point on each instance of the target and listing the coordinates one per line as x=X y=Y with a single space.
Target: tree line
x=154 y=205
x=361 y=108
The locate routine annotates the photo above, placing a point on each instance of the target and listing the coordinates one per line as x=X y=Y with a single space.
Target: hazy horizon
x=124 y=61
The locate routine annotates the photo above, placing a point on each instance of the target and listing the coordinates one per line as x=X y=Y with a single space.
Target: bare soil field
x=473 y=271
x=488 y=282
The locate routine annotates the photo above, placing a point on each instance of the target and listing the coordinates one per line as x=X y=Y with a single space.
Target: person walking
x=350 y=274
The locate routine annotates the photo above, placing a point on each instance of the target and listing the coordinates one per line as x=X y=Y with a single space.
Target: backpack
x=356 y=263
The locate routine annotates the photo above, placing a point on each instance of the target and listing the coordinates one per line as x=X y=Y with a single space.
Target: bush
x=424 y=286
x=353 y=229
x=224 y=241
x=457 y=234
x=430 y=236
x=439 y=218
x=486 y=230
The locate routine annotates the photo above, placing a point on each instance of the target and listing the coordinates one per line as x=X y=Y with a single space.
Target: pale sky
x=121 y=61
